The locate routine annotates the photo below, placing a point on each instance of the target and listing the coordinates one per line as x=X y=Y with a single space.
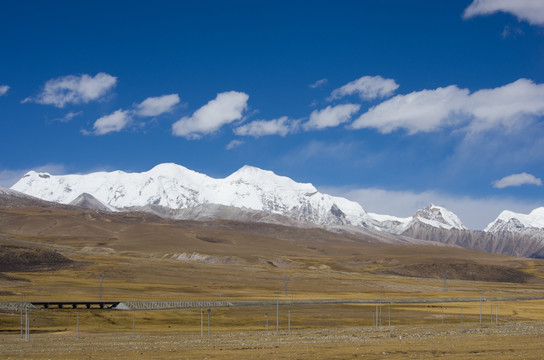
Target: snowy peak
x=439 y=217
x=432 y=216
x=516 y=222
x=170 y=170
x=265 y=178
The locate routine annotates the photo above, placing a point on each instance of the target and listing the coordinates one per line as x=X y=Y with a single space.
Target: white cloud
x=505 y=105
x=476 y=213
x=113 y=122
x=367 y=87
x=330 y=116
x=431 y=110
x=118 y=120
x=224 y=109
x=3 y=89
x=234 y=144
x=69 y=116
x=154 y=106
x=281 y=126
x=8 y=177
x=318 y=83
x=73 y=89
x=517 y=180
x=531 y=11
x=419 y=111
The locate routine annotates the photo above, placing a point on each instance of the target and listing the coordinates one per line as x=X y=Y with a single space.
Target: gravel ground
x=512 y=340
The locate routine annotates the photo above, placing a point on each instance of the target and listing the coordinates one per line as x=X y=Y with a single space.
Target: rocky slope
x=505 y=242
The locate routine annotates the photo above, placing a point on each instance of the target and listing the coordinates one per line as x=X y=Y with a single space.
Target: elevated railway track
x=173 y=305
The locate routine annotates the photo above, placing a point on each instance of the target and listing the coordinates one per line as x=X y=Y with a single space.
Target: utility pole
x=480 y=307
x=27 y=326
x=278 y=311
x=289 y=321
x=209 y=322
x=389 y=315
x=286 y=283
x=21 y=316
x=100 y=278
x=491 y=313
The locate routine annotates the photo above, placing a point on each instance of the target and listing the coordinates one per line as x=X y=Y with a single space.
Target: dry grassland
x=140 y=260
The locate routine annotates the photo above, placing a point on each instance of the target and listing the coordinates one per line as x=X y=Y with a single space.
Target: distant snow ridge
x=434 y=216
x=515 y=222
x=439 y=217
x=176 y=187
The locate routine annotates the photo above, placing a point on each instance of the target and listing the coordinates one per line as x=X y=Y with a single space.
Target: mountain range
x=256 y=195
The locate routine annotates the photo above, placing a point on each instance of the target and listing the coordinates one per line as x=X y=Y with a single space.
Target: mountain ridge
x=176 y=187
x=175 y=191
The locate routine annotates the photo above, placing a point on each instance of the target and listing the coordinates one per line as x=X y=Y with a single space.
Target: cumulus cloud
x=318 y=83
x=330 y=116
x=431 y=110
x=476 y=213
x=234 y=144
x=367 y=87
x=224 y=109
x=117 y=121
x=517 y=180
x=113 y=122
x=73 y=89
x=419 y=111
x=154 y=106
x=281 y=126
x=531 y=11
x=3 y=89
x=505 y=105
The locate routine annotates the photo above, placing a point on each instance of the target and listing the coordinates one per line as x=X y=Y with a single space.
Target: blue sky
x=394 y=104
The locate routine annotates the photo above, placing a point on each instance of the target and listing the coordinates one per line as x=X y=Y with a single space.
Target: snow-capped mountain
x=254 y=195
x=176 y=187
x=439 y=217
x=432 y=216
x=515 y=222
